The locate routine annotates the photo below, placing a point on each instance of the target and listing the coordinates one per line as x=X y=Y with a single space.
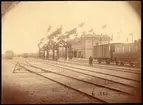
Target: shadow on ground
x=12 y=95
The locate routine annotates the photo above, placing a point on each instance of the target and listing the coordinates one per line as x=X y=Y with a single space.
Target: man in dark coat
x=90 y=60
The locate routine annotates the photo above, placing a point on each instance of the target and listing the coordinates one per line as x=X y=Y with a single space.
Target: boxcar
x=119 y=53
x=9 y=54
x=25 y=55
x=104 y=52
x=127 y=53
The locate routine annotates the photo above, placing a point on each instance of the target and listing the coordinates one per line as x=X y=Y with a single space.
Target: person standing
x=90 y=60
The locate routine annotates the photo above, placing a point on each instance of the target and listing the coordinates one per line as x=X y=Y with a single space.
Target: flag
x=90 y=30
x=55 y=33
x=41 y=41
x=127 y=39
x=119 y=32
x=118 y=36
x=76 y=34
x=104 y=26
x=73 y=31
x=100 y=39
x=135 y=42
x=130 y=34
x=84 y=33
x=50 y=37
x=67 y=36
x=61 y=37
x=81 y=24
x=58 y=31
x=112 y=37
x=49 y=28
x=38 y=45
x=66 y=32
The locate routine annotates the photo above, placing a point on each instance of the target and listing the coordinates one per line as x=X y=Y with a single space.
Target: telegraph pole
x=101 y=39
x=132 y=38
x=131 y=34
x=39 y=51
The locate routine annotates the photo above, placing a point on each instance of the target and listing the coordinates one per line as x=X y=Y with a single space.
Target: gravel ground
x=26 y=88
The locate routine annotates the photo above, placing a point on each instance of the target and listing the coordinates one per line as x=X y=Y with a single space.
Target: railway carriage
x=127 y=53
x=9 y=54
x=120 y=53
x=104 y=53
x=25 y=55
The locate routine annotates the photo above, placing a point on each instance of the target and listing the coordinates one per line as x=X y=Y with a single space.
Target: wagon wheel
x=117 y=63
x=99 y=61
x=108 y=62
x=137 y=65
x=131 y=64
x=122 y=64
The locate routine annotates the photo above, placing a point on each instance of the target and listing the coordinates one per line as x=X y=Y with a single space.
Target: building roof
x=109 y=44
x=77 y=39
x=95 y=35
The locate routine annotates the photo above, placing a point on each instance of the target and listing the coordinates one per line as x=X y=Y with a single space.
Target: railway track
x=119 y=80
x=121 y=83
x=31 y=68
x=91 y=70
x=112 y=68
x=104 y=64
x=124 y=81
x=85 y=62
x=111 y=64
x=103 y=83
x=108 y=67
x=54 y=80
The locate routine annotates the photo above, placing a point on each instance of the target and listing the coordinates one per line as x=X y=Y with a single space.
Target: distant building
x=82 y=47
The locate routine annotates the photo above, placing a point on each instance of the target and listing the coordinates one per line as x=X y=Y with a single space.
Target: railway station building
x=82 y=47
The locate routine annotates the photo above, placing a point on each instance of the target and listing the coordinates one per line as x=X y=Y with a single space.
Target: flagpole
x=67 y=54
x=132 y=38
x=39 y=51
x=101 y=39
x=104 y=26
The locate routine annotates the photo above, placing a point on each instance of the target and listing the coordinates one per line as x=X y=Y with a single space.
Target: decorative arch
x=50 y=46
x=66 y=45
x=62 y=43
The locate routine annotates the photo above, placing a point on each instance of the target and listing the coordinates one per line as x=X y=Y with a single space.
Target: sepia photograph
x=71 y=52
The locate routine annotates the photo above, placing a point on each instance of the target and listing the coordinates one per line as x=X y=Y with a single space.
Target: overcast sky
x=26 y=24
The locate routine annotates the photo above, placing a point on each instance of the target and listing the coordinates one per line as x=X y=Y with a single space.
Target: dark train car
x=33 y=55
x=25 y=55
x=104 y=53
x=120 y=53
x=127 y=53
x=9 y=54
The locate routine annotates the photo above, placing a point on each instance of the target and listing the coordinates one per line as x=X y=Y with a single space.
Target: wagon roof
x=96 y=35
x=110 y=44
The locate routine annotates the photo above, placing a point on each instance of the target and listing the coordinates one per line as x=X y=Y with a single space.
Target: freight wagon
x=25 y=55
x=120 y=53
x=9 y=54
